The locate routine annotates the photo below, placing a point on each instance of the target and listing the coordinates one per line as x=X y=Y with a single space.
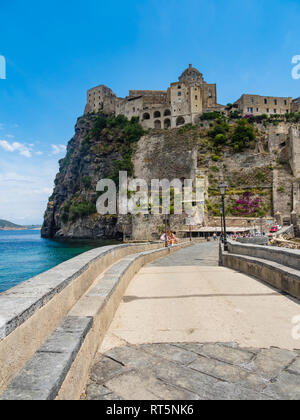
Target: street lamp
x=166 y=234
x=222 y=189
x=221 y=213
x=261 y=226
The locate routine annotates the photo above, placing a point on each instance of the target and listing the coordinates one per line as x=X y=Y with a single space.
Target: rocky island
x=256 y=154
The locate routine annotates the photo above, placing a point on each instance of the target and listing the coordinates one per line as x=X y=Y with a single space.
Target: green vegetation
x=209 y=116
x=243 y=134
x=87 y=181
x=81 y=209
x=74 y=209
x=235 y=115
x=126 y=133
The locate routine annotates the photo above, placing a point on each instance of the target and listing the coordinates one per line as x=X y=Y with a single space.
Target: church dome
x=191 y=75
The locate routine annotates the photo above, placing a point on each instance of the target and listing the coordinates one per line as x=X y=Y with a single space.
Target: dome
x=191 y=75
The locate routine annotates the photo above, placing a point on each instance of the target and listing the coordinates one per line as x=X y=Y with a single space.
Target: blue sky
x=56 y=50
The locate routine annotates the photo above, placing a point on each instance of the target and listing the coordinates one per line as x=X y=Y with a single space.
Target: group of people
x=171 y=238
x=236 y=235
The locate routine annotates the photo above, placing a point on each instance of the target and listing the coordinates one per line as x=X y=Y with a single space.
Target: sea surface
x=24 y=254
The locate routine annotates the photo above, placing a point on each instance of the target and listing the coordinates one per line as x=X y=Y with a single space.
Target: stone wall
x=294 y=150
x=184 y=100
x=276 y=266
x=257 y=105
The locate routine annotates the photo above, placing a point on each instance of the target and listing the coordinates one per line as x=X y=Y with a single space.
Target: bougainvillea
x=248 y=204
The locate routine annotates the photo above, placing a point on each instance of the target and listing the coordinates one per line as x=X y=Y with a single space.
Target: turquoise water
x=24 y=254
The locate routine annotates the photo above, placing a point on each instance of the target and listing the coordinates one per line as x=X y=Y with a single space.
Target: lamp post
x=261 y=226
x=166 y=234
x=221 y=213
x=222 y=189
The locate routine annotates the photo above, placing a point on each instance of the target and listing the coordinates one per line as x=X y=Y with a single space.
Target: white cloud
x=9 y=136
x=58 y=149
x=24 y=191
x=39 y=153
x=22 y=149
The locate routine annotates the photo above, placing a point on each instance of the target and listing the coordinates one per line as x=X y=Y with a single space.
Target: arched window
x=167 y=112
x=146 y=116
x=157 y=124
x=167 y=123
x=157 y=114
x=180 y=121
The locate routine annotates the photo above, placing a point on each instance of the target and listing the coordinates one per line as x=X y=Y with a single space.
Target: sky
x=55 y=51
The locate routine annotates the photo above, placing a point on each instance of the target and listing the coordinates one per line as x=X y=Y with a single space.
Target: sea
x=24 y=254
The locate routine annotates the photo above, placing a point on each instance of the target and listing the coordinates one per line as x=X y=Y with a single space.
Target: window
x=249 y=109
x=146 y=116
x=167 y=112
x=167 y=123
x=179 y=93
x=287 y=111
x=268 y=110
x=275 y=111
x=180 y=121
x=266 y=101
x=156 y=114
x=275 y=101
x=252 y=100
x=196 y=98
x=257 y=109
x=179 y=86
x=157 y=124
x=285 y=102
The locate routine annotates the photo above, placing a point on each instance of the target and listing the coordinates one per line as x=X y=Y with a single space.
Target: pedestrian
x=172 y=240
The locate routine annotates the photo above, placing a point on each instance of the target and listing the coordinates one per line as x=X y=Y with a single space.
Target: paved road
x=192 y=371
x=178 y=309
x=202 y=254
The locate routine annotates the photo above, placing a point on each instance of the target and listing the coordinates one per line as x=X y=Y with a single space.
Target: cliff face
x=252 y=158
x=93 y=153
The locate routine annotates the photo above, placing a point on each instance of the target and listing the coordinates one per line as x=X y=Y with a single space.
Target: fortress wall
x=294 y=150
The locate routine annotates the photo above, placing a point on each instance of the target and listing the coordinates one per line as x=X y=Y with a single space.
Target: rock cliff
x=253 y=157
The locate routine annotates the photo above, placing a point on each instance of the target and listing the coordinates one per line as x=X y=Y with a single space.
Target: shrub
x=208 y=116
x=215 y=158
x=87 y=181
x=82 y=209
x=247 y=205
x=242 y=135
x=236 y=114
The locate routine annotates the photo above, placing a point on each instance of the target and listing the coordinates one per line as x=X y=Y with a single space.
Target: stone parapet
x=276 y=266
x=59 y=366
x=30 y=311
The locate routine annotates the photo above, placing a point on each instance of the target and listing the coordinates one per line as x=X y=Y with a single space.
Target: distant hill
x=5 y=224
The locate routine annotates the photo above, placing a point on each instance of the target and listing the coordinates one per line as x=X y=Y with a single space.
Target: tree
x=242 y=135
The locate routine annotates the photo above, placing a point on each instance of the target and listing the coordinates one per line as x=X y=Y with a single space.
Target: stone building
x=180 y=104
x=295 y=107
x=257 y=105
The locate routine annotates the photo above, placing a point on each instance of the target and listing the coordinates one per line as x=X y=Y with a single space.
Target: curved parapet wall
x=286 y=257
x=277 y=266
x=30 y=311
x=59 y=368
